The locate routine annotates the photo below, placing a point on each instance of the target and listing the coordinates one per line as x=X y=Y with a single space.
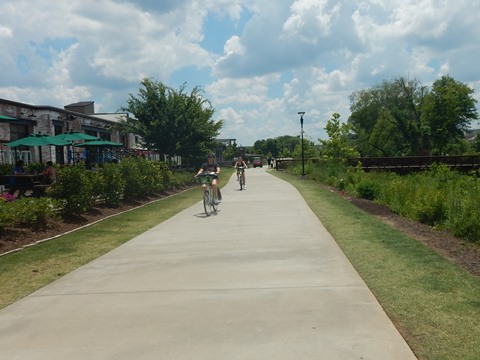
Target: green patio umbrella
x=7 y=118
x=37 y=140
x=99 y=146
x=99 y=142
x=74 y=135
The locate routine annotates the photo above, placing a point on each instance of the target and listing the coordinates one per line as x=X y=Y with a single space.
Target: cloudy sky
x=259 y=62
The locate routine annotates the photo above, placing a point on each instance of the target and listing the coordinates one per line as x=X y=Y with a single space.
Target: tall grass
x=439 y=197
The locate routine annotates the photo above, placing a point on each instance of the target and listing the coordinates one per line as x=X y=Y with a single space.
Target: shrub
x=33 y=212
x=430 y=207
x=110 y=184
x=463 y=209
x=439 y=197
x=143 y=177
x=6 y=216
x=5 y=169
x=367 y=189
x=35 y=168
x=74 y=188
x=130 y=171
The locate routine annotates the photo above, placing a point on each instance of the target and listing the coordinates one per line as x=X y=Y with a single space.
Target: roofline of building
x=53 y=108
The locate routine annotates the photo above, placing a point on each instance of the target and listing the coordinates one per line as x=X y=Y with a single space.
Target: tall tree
x=172 y=122
x=386 y=119
x=447 y=113
x=338 y=146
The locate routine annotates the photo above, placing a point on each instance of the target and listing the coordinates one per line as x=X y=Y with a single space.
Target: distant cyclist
x=211 y=166
x=238 y=164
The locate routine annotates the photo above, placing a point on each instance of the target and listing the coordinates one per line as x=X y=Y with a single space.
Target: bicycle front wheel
x=207 y=203
x=241 y=182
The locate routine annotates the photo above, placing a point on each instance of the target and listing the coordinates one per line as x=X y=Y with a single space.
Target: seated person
x=49 y=175
x=18 y=184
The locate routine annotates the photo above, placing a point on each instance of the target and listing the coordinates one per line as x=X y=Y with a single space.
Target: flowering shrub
x=7 y=197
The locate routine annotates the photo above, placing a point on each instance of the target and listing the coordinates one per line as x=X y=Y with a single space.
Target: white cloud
x=248 y=91
x=310 y=20
x=279 y=57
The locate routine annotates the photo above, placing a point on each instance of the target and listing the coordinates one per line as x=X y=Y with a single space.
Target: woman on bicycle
x=211 y=166
x=240 y=163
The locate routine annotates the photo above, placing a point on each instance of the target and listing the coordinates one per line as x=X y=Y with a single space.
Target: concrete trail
x=262 y=279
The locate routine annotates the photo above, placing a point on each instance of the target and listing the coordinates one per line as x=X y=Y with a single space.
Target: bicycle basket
x=203 y=179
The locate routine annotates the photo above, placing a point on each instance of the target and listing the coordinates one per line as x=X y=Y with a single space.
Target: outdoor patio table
x=23 y=182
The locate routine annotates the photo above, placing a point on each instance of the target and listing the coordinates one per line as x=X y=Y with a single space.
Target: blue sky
x=258 y=62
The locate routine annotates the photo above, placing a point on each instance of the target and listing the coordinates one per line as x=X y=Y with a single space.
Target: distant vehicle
x=257 y=161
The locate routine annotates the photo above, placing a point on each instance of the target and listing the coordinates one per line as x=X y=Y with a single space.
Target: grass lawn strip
x=434 y=303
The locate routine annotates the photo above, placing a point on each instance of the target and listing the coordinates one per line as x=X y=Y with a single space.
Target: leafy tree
x=403 y=117
x=448 y=110
x=266 y=147
x=386 y=119
x=282 y=146
x=172 y=122
x=230 y=152
x=338 y=146
x=309 y=149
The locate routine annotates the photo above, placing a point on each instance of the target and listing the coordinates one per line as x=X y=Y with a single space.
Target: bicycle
x=209 y=204
x=241 y=176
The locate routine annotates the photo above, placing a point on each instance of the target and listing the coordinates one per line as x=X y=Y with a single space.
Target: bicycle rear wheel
x=207 y=203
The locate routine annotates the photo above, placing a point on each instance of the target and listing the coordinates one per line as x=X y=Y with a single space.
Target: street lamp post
x=301 y=113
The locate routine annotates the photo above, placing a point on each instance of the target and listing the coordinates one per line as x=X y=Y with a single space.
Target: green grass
x=24 y=272
x=433 y=303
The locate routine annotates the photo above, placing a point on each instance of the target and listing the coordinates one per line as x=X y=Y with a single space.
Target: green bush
x=134 y=178
x=6 y=169
x=182 y=178
x=35 y=168
x=110 y=184
x=430 y=208
x=463 y=209
x=75 y=189
x=439 y=197
x=367 y=189
x=32 y=212
x=144 y=177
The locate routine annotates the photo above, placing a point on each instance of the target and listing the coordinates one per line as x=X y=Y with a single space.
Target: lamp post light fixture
x=301 y=113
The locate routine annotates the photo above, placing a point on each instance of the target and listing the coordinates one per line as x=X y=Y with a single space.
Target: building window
x=18 y=131
x=58 y=129
x=91 y=132
x=105 y=136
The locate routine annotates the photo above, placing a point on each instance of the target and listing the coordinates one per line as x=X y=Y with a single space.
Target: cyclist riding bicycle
x=238 y=164
x=211 y=166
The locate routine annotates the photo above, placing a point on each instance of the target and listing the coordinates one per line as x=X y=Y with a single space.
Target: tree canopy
x=403 y=117
x=282 y=146
x=172 y=122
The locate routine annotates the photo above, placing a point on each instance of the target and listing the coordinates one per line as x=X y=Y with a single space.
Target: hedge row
x=77 y=190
